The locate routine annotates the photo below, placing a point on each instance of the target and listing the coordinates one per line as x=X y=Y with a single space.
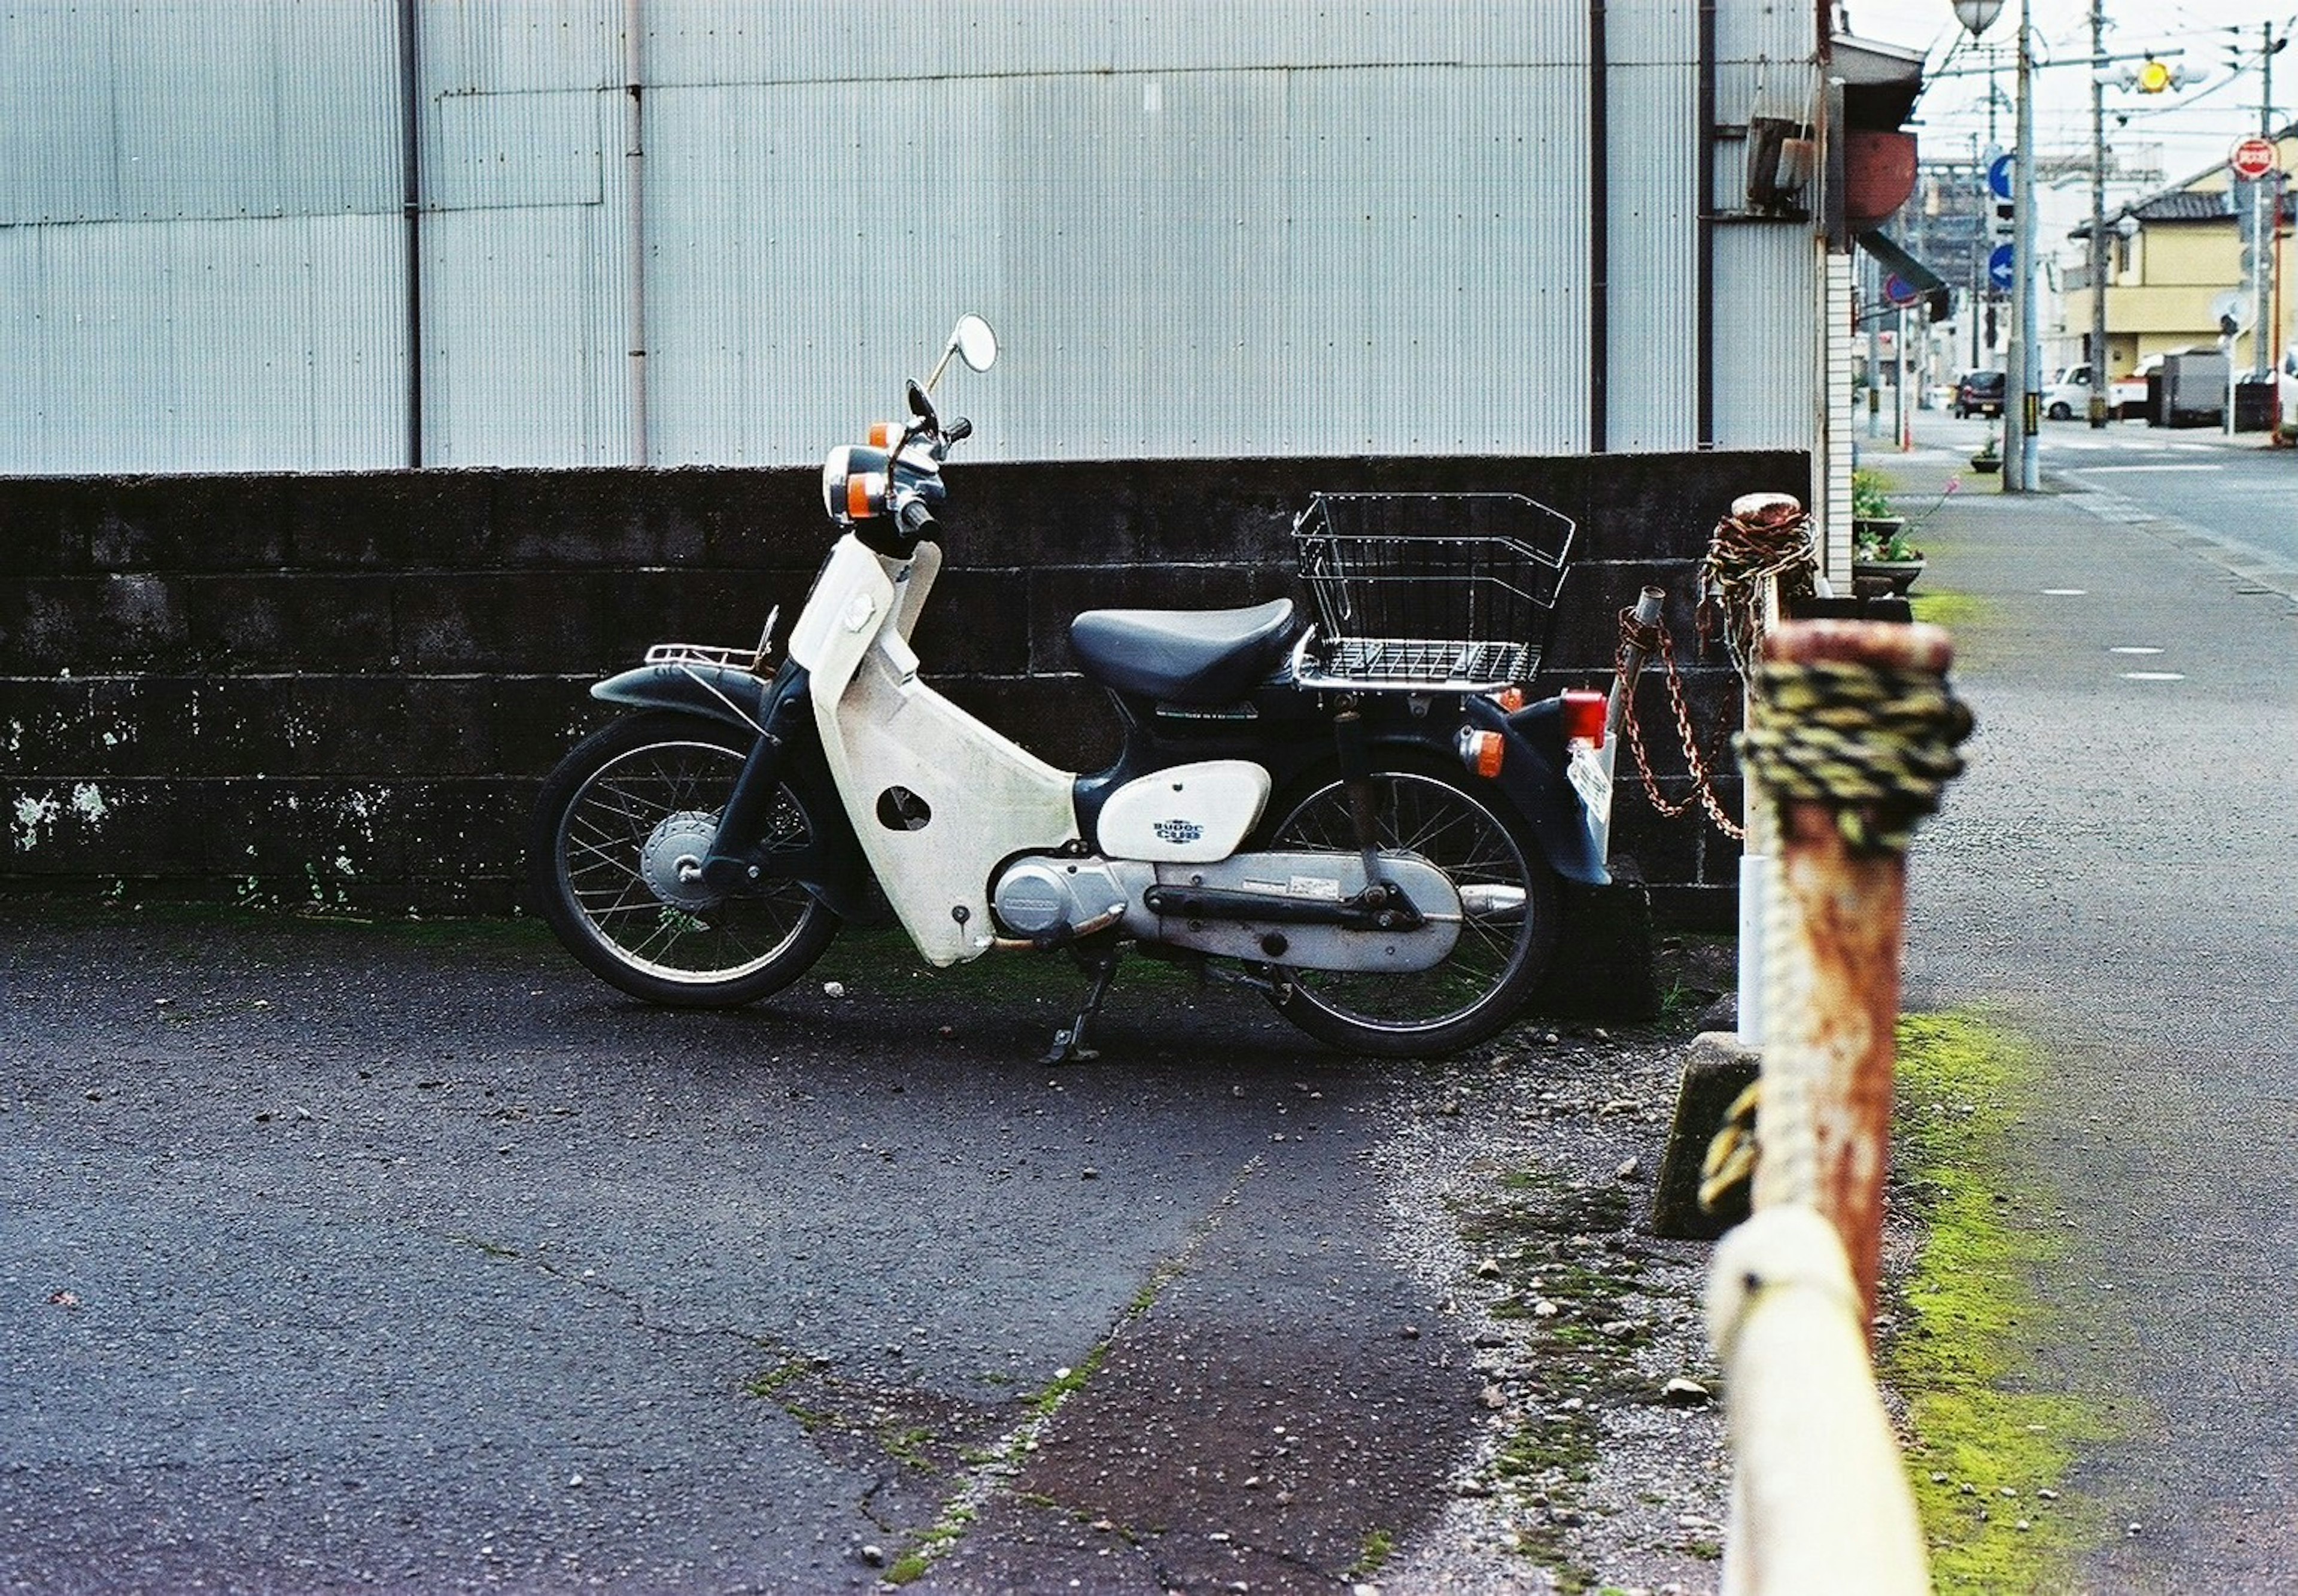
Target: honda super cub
x=1359 y=815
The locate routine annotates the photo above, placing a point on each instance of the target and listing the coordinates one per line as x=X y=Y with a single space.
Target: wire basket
x=1428 y=591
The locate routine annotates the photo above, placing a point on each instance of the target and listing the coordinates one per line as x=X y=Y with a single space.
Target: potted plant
x=1884 y=560
x=1872 y=520
x=1988 y=459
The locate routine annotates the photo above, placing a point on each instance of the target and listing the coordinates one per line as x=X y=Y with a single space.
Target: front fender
x=1531 y=774
x=833 y=867
x=722 y=692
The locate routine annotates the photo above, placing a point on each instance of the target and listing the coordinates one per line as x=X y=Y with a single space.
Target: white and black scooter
x=1361 y=816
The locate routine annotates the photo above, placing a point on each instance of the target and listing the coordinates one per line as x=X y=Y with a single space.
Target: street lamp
x=1977 y=15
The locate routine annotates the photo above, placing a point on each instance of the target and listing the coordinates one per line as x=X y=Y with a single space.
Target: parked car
x=2285 y=383
x=1978 y=393
x=2068 y=396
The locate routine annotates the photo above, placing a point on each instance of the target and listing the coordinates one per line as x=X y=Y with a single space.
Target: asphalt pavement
x=2115 y=875
x=408 y=1257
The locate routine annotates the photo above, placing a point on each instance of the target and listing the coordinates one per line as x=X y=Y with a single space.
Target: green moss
x=773 y=1381
x=1379 y=1546
x=906 y=1568
x=1950 y=609
x=1981 y=1423
x=1056 y=1390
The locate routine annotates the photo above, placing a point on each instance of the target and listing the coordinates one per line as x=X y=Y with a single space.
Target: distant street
x=2115 y=878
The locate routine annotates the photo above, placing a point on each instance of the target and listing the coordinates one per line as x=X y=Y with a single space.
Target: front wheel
x=1507 y=929
x=620 y=832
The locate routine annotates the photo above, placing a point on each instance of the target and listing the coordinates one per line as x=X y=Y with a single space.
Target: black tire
x=2062 y=411
x=1504 y=946
x=624 y=806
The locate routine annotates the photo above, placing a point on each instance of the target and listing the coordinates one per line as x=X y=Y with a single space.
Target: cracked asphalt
x=339 y=1256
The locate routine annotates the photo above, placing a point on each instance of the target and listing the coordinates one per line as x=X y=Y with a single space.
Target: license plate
x=1590 y=780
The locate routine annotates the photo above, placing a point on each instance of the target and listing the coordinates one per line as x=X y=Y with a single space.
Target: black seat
x=1183 y=655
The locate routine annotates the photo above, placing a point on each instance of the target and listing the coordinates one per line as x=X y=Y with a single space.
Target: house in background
x=2176 y=262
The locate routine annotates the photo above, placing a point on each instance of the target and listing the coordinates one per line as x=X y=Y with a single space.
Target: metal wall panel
x=1203 y=229
x=702 y=43
x=1652 y=81
x=521 y=46
x=524 y=314
x=1768 y=342
x=1199 y=264
x=114 y=112
x=200 y=346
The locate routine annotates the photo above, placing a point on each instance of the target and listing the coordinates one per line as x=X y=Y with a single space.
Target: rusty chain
x=1768 y=537
x=1655 y=640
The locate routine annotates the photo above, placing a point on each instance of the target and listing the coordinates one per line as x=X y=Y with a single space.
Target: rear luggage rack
x=1428 y=591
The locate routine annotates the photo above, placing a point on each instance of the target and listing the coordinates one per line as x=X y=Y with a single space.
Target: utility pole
x=2266 y=219
x=2098 y=255
x=2023 y=400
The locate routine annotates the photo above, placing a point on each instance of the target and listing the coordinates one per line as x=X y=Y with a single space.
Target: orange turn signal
x=884 y=435
x=865 y=495
x=1510 y=698
x=1482 y=751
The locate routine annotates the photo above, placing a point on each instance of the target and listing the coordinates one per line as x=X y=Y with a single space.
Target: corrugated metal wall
x=1202 y=228
x=198 y=237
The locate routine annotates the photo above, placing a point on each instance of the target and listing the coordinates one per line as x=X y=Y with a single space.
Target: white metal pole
x=2022 y=399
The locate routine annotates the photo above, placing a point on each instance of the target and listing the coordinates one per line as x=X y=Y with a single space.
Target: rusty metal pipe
x=1834 y=938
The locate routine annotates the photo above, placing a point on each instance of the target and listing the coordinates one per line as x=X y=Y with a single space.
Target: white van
x=2068 y=396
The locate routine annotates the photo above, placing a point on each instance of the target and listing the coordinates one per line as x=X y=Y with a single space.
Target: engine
x=1042 y=895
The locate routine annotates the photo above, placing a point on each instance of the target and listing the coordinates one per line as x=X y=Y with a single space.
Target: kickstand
x=1070 y=1045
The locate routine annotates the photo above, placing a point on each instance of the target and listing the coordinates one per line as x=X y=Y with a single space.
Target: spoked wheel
x=620 y=831
x=1508 y=895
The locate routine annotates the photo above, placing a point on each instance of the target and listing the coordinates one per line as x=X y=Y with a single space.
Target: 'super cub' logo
x=1177 y=831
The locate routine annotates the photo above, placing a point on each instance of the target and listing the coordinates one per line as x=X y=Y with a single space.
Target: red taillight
x=1482 y=751
x=1584 y=716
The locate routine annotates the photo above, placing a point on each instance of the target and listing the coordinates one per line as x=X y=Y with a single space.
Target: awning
x=1909 y=270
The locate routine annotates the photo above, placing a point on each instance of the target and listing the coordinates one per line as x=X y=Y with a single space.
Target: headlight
x=854 y=483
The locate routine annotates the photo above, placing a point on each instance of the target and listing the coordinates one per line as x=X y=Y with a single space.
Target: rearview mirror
x=974 y=342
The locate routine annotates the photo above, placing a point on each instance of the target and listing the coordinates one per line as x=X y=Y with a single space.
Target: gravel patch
x=1520 y=1188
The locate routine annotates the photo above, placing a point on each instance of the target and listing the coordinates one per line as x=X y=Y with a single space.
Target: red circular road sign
x=2254 y=158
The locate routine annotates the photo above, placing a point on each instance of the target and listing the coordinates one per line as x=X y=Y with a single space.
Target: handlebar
x=915 y=520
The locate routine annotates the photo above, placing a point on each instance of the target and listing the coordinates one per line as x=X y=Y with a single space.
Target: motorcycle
x=1358 y=814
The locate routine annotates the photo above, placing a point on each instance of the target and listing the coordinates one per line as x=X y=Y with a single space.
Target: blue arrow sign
x=1999 y=264
x=1998 y=176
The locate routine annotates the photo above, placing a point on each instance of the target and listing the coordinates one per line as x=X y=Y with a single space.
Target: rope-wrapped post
x=1851 y=738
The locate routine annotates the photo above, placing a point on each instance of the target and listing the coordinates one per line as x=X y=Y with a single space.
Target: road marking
x=2154 y=676
x=2131 y=470
x=2065 y=592
x=2134 y=649
x=2112 y=507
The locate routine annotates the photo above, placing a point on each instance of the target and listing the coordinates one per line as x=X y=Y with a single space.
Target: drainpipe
x=1600 y=229
x=410 y=207
x=634 y=181
x=1703 y=398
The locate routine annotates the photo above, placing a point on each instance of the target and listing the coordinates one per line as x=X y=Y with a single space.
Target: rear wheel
x=621 y=827
x=1508 y=927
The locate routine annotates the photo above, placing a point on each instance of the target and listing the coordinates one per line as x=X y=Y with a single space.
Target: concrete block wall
x=342 y=690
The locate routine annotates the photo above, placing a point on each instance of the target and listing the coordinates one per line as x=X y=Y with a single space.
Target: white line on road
x=2127 y=470
x=2154 y=676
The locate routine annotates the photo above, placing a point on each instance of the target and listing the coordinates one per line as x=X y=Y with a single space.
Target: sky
x=2185 y=130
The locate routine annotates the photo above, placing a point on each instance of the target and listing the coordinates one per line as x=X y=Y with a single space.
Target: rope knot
x=1874 y=744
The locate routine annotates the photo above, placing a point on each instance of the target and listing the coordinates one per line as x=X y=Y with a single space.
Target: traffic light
x=2154 y=75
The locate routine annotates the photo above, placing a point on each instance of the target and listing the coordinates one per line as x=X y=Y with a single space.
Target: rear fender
x=1531 y=774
